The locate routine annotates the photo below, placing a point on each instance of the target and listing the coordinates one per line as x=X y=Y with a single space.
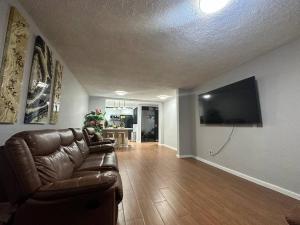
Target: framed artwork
x=12 y=67
x=38 y=98
x=56 y=96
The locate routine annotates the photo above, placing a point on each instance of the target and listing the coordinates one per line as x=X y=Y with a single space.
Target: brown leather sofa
x=92 y=138
x=56 y=179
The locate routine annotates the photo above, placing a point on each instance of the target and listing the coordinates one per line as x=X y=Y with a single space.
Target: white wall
x=270 y=153
x=186 y=123
x=74 y=102
x=170 y=125
x=96 y=102
x=138 y=128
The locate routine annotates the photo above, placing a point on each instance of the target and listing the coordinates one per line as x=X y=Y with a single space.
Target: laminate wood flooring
x=160 y=189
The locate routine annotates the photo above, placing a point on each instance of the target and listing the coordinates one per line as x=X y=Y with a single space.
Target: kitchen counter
x=117 y=129
x=120 y=134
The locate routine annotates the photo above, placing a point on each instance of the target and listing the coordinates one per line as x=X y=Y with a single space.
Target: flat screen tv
x=234 y=104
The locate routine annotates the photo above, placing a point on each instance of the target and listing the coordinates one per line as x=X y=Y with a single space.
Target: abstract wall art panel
x=56 y=96
x=38 y=98
x=12 y=67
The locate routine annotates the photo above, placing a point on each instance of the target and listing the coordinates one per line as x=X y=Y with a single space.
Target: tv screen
x=234 y=104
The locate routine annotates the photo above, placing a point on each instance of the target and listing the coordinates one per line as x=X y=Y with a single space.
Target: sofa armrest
x=101 y=148
x=102 y=142
x=94 y=143
x=111 y=140
x=106 y=141
x=76 y=186
x=85 y=207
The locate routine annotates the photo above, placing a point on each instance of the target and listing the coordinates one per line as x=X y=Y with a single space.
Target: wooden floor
x=161 y=189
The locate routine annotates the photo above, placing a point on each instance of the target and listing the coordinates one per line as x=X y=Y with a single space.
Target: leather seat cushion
x=112 y=156
x=99 y=161
x=118 y=185
x=102 y=148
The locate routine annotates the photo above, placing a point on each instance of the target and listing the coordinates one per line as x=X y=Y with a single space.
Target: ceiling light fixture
x=122 y=93
x=206 y=96
x=163 y=97
x=212 y=6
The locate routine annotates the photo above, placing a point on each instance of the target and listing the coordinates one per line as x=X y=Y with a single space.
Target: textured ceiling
x=150 y=47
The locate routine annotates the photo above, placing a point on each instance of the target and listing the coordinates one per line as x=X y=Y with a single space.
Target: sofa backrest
x=69 y=145
x=50 y=159
x=89 y=133
x=3 y=195
x=35 y=158
x=21 y=176
x=80 y=141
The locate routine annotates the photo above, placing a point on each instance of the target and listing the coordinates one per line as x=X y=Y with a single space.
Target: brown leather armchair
x=94 y=155
x=43 y=174
x=94 y=139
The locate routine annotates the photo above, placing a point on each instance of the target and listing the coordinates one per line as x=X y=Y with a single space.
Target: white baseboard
x=184 y=156
x=168 y=146
x=246 y=177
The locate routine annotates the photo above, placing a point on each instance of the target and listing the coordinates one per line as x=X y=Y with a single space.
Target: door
x=150 y=124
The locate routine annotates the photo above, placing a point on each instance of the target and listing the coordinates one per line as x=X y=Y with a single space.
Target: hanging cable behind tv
x=212 y=153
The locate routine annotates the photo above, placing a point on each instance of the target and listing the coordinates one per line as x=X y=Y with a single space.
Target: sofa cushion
x=75 y=154
x=88 y=133
x=90 y=130
x=51 y=162
x=41 y=142
x=66 y=137
x=99 y=161
x=110 y=159
x=83 y=148
x=70 y=147
x=79 y=139
x=54 y=167
x=102 y=148
x=18 y=170
x=97 y=137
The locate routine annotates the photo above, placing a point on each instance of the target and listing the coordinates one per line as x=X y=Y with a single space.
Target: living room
x=115 y=98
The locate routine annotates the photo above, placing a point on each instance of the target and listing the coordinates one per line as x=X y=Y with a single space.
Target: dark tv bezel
x=259 y=123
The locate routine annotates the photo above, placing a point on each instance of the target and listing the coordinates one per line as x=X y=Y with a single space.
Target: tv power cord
x=212 y=153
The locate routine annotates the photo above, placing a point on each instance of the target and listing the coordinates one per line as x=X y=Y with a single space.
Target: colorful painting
x=12 y=67
x=55 y=104
x=38 y=98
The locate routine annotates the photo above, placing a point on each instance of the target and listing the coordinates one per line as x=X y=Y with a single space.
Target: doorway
x=150 y=124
